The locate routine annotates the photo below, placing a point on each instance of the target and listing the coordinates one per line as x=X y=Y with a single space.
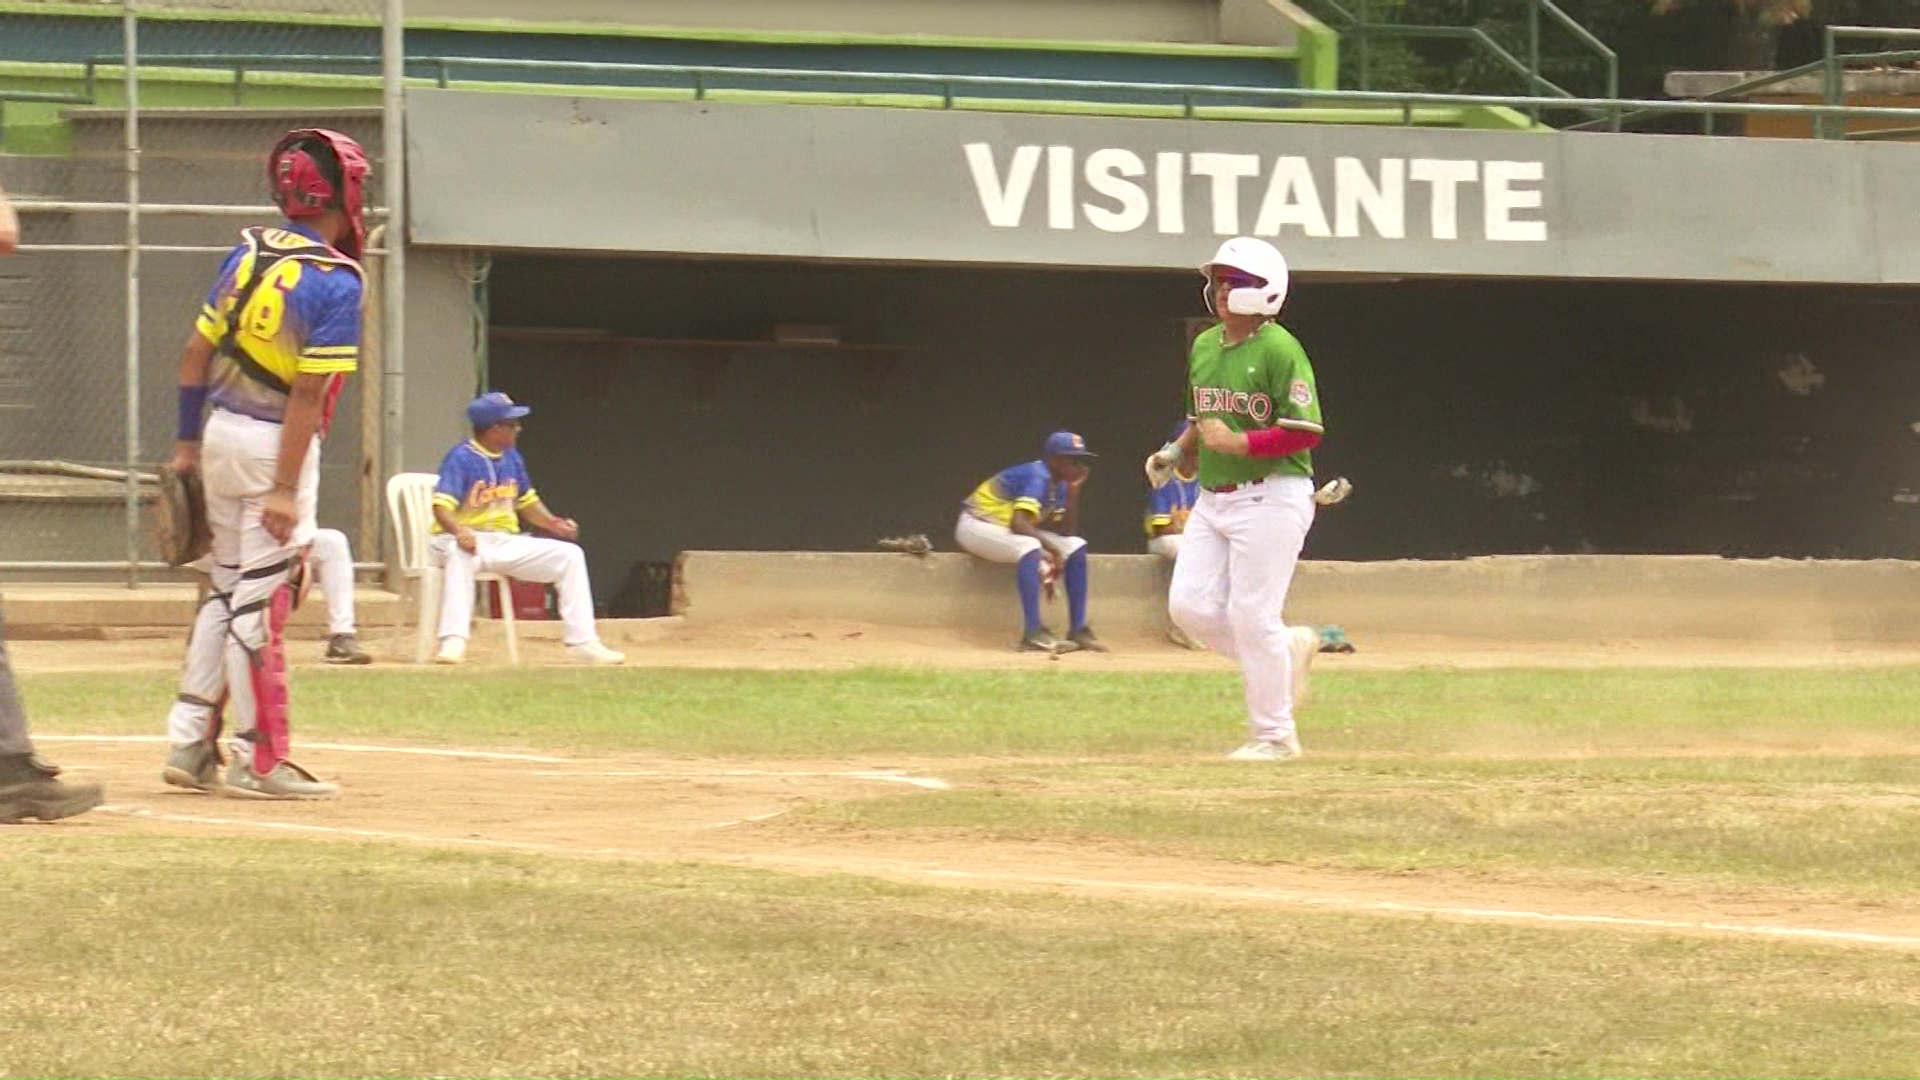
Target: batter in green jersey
x=1256 y=418
x=1263 y=381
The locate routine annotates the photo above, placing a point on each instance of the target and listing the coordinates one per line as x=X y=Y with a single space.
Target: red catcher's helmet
x=313 y=170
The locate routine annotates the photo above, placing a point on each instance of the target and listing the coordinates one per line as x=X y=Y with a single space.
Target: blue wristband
x=193 y=412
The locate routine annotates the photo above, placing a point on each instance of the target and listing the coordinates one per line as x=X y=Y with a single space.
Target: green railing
x=1360 y=28
x=1831 y=67
x=1833 y=81
x=699 y=82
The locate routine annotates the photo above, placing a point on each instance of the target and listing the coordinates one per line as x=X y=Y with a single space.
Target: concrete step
x=28 y=609
x=1506 y=597
x=114 y=612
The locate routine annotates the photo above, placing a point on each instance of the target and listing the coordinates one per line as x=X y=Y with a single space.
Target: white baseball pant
x=1230 y=588
x=1167 y=547
x=528 y=558
x=235 y=630
x=997 y=543
x=331 y=561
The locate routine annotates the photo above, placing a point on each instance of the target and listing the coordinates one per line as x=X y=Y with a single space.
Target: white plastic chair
x=410 y=505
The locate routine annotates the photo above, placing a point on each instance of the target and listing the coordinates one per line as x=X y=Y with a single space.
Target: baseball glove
x=1161 y=463
x=1333 y=491
x=916 y=545
x=180 y=518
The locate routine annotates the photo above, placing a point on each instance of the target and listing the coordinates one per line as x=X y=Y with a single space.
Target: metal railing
x=701 y=81
x=1831 y=68
x=88 y=370
x=1361 y=28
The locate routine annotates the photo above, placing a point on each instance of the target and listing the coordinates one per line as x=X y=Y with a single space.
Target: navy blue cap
x=494 y=408
x=1066 y=444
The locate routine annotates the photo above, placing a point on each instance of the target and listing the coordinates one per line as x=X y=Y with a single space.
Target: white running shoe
x=453 y=650
x=1287 y=749
x=592 y=652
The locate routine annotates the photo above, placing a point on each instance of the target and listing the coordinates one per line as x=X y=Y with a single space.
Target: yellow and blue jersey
x=486 y=491
x=1169 y=505
x=1029 y=487
x=285 y=304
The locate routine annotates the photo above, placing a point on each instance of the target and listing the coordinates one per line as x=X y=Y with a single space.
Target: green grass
x=1805 y=783
x=220 y=957
x=1841 y=828
x=1521 y=714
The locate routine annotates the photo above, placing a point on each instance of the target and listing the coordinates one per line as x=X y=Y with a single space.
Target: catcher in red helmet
x=275 y=341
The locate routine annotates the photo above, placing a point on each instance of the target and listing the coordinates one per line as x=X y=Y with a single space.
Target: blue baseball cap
x=1066 y=444
x=494 y=408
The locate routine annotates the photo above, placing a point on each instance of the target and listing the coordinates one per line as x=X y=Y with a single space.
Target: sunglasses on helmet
x=1235 y=279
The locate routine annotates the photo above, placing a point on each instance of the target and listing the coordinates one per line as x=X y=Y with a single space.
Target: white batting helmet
x=1257 y=258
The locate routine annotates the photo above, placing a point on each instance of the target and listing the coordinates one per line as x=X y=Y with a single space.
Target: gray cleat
x=1083 y=639
x=195 y=766
x=286 y=781
x=345 y=649
x=1042 y=640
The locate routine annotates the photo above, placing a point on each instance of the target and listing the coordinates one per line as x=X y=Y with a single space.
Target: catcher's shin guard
x=257 y=661
x=267 y=666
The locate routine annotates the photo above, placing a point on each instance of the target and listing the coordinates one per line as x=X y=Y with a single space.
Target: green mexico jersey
x=1263 y=382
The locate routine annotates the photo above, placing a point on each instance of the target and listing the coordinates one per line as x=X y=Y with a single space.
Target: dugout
x=1478 y=417
x=806 y=328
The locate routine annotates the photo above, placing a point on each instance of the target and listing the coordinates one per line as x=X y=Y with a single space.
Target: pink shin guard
x=268 y=672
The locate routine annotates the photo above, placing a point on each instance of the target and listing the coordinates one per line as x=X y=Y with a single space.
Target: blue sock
x=1028 y=575
x=1076 y=576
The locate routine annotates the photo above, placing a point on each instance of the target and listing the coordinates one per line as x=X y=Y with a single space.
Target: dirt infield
x=731 y=812
x=739 y=811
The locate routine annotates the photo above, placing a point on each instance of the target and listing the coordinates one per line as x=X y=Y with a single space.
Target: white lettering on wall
x=1446 y=178
x=1105 y=169
x=1502 y=200
x=1385 y=203
x=1226 y=171
x=1170 y=191
x=1059 y=187
x=1110 y=189
x=1292 y=199
x=1004 y=202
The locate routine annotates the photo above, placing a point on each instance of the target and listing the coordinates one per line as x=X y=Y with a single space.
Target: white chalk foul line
x=349 y=748
x=1799 y=933
x=1488 y=914
x=749 y=820
x=930 y=782
x=881 y=775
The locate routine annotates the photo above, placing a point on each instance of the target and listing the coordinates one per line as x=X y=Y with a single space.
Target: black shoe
x=31 y=788
x=345 y=649
x=1083 y=639
x=1042 y=640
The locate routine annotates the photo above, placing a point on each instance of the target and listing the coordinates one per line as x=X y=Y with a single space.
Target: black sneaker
x=1083 y=639
x=345 y=649
x=1042 y=640
x=31 y=788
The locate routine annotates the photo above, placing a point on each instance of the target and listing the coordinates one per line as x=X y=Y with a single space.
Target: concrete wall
x=440 y=354
x=1475 y=418
x=1527 y=598
x=1260 y=22
x=1002 y=189
x=1072 y=20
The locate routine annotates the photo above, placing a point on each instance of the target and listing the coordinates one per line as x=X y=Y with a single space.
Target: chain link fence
x=132 y=140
